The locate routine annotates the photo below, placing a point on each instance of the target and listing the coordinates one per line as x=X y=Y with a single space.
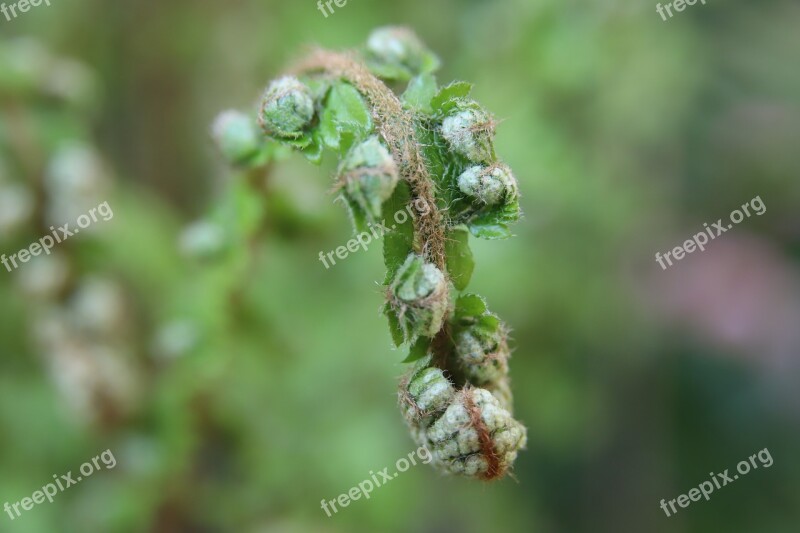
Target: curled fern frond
x=429 y=152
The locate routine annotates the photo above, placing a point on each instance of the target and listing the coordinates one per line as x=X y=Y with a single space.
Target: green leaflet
x=472 y=311
x=470 y=305
x=492 y=222
x=399 y=242
x=312 y=150
x=357 y=215
x=490 y=231
x=419 y=93
x=447 y=98
x=460 y=262
x=398 y=337
x=300 y=143
x=344 y=119
x=418 y=350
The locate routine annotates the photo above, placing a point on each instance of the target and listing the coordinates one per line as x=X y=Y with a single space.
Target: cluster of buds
x=467 y=431
x=81 y=324
x=487 y=184
x=29 y=71
x=86 y=345
x=469 y=428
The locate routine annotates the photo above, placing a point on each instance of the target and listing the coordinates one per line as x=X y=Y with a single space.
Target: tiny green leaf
x=357 y=215
x=446 y=98
x=398 y=337
x=489 y=323
x=344 y=112
x=493 y=222
x=399 y=242
x=489 y=231
x=460 y=263
x=418 y=350
x=313 y=150
x=421 y=90
x=300 y=143
x=470 y=305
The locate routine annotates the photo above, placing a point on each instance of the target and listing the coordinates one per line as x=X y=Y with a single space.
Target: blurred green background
x=245 y=390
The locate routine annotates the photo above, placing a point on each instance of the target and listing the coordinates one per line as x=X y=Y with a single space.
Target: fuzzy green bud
x=501 y=389
x=419 y=297
x=469 y=130
x=490 y=185
x=425 y=392
x=286 y=108
x=397 y=53
x=475 y=436
x=236 y=136
x=369 y=176
x=482 y=355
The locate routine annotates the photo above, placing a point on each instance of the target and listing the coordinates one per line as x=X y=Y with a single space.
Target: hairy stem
x=396 y=126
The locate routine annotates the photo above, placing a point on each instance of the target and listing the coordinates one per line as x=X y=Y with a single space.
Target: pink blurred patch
x=740 y=293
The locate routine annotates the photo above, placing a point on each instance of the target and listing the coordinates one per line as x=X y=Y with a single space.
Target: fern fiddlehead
x=429 y=150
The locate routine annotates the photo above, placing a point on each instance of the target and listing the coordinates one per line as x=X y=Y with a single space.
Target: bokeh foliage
x=626 y=134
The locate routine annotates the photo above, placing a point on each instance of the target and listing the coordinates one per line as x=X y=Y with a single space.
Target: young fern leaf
x=430 y=151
